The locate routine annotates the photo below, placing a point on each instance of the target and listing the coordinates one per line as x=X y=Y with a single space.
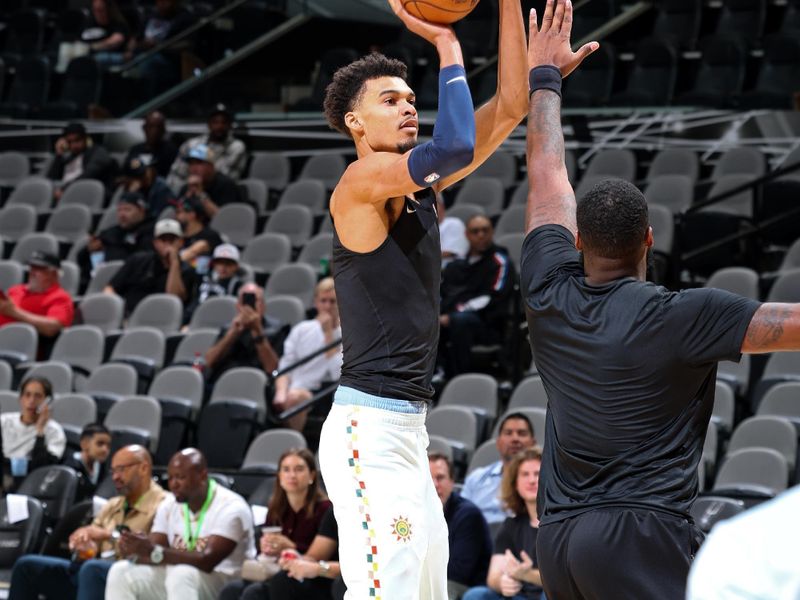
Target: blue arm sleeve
x=453 y=143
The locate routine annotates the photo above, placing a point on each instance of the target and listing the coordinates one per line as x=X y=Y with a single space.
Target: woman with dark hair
x=107 y=34
x=297 y=507
x=31 y=439
x=513 y=571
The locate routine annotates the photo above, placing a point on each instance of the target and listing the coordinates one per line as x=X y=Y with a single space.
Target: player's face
x=388 y=115
x=294 y=475
x=528 y=480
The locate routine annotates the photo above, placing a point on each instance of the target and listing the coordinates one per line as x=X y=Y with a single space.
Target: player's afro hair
x=347 y=87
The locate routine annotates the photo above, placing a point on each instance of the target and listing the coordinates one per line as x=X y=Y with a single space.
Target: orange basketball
x=440 y=11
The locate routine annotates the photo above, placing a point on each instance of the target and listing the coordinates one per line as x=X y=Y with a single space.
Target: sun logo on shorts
x=402 y=529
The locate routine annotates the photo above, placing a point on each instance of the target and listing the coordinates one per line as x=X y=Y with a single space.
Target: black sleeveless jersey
x=389 y=306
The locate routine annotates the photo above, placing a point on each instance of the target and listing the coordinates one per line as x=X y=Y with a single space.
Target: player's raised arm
x=774 y=327
x=551 y=199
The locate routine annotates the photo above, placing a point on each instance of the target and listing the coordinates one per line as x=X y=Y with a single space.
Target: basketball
x=440 y=11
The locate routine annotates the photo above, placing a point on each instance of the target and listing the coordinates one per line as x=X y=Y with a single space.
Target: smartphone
x=249 y=299
x=46 y=402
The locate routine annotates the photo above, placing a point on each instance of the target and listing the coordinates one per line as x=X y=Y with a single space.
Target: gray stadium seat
x=73 y=412
x=740 y=204
x=782 y=400
x=675 y=161
x=486 y=192
x=752 y=472
x=18 y=343
x=242 y=383
x=294 y=221
x=14 y=166
x=765 y=431
x=294 y=279
x=519 y=197
x=88 y=192
x=142 y=348
x=513 y=243
x=236 y=222
x=287 y=309
x=58 y=373
x=271 y=168
x=214 y=313
x=617 y=163
x=537 y=417
x=16 y=221
x=22 y=537
x=786 y=288
x=663 y=224
x=724 y=405
x=439 y=445
x=139 y=415
x=265 y=451
x=257 y=193
x=109 y=383
x=737 y=280
x=160 y=311
x=194 y=344
x=485 y=455
x=81 y=347
x=179 y=391
x=707 y=511
x=6 y=375
x=310 y=193
x=104 y=311
x=459 y=426
x=9 y=401
x=740 y=160
x=710 y=447
x=318 y=248
x=69 y=222
x=103 y=275
x=11 y=272
x=266 y=252
x=476 y=392
x=500 y=165
x=512 y=220
x=34 y=242
x=70 y=277
x=54 y=486
x=676 y=192
x=465 y=211
x=529 y=393
x=36 y=192
x=328 y=168
x=736 y=374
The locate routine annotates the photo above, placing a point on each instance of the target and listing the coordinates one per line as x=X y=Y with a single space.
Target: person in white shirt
x=306 y=337
x=452 y=234
x=752 y=555
x=31 y=439
x=200 y=537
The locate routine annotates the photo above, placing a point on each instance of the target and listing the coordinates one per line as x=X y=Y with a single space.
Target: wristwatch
x=157 y=555
x=324 y=568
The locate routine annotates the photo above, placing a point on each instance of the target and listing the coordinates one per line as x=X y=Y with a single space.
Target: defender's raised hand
x=550 y=45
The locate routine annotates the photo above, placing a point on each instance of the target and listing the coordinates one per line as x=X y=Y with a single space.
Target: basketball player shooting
x=386 y=263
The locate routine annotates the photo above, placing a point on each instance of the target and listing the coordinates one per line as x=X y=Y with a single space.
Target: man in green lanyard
x=200 y=537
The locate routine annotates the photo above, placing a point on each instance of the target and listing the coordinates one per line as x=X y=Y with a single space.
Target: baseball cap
x=200 y=152
x=221 y=109
x=168 y=227
x=136 y=165
x=134 y=198
x=44 y=259
x=226 y=252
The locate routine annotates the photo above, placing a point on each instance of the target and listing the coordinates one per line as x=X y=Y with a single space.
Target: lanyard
x=191 y=538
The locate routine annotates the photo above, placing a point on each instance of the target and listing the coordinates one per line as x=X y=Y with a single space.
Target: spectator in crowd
x=132 y=233
x=482 y=486
x=751 y=555
x=157 y=147
x=90 y=462
x=469 y=538
x=162 y=69
x=228 y=154
x=305 y=338
x=77 y=157
x=94 y=545
x=155 y=271
x=202 y=534
x=213 y=188
x=250 y=340
x=298 y=506
x=31 y=439
x=514 y=571
x=223 y=279
x=141 y=176
x=41 y=302
x=451 y=234
x=107 y=33
x=199 y=240
x=476 y=291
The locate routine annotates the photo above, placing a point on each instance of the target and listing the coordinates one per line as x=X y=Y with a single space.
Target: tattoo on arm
x=767 y=327
x=551 y=199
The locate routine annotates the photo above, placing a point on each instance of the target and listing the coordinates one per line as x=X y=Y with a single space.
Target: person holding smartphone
x=250 y=339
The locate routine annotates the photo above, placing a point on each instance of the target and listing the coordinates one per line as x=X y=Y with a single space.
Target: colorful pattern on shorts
x=363 y=509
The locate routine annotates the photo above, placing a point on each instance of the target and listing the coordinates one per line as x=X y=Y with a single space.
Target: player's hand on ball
x=550 y=44
x=428 y=31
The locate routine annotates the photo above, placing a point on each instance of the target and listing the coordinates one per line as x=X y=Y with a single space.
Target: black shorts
x=617 y=554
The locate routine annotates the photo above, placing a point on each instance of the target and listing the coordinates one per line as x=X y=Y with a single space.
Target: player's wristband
x=545 y=77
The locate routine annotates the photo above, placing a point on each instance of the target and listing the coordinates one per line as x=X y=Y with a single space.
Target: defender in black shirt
x=386 y=267
x=628 y=366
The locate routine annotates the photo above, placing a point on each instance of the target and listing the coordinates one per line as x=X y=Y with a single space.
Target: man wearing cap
x=132 y=233
x=199 y=240
x=76 y=157
x=140 y=176
x=229 y=153
x=222 y=279
x=211 y=187
x=155 y=271
x=156 y=145
x=41 y=302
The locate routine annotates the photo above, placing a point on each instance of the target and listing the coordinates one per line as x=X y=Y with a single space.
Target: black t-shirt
x=629 y=368
x=143 y=274
x=96 y=33
x=206 y=234
x=517 y=534
x=243 y=351
x=330 y=529
x=222 y=190
x=164 y=155
x=119 y=243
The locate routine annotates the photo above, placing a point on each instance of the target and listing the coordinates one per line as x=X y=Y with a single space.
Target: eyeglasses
x=121 y=468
